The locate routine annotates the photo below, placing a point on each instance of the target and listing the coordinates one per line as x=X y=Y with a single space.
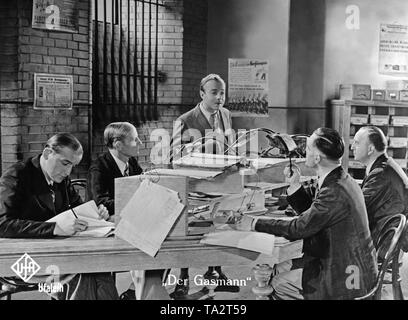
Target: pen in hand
x=73 y=212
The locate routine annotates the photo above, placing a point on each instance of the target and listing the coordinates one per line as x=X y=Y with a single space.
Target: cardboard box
x=399 y=121
x=379 y=120
x=377 y=94
x=359 y=119
x=392 y=95
x=396 y=85
x=355 y=92
x=398 y=142
x=403 y=95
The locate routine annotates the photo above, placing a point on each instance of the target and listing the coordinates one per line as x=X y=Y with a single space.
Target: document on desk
x=148 y=216
x=248 y=240
x=88 y=212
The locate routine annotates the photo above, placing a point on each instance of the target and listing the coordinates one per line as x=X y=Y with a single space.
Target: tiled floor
x=123 y=280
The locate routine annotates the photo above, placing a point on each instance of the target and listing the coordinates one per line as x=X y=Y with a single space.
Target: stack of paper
x=148 y=216
x=88 y=212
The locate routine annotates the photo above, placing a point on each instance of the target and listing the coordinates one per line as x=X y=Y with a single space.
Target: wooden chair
x=389 y=244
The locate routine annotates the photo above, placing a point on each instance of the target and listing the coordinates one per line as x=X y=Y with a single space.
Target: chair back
x=388 y=248
x=80 y=186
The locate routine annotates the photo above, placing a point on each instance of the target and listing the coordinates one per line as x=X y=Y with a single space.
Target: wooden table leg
x=262 y=274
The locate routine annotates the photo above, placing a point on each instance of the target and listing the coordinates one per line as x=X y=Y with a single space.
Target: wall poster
x=58 y=15
x=53 y=91
x=248 y=87
x=393 y=57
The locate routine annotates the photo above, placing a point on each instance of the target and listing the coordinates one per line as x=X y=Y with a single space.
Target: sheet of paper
x=148 y=216
x=88 y=212
x=196 y=174
x=248 y=240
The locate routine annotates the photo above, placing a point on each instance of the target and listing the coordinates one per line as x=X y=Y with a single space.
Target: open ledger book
x=88 y=212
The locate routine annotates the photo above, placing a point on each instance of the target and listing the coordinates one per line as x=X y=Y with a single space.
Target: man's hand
x=103 y=212
x=244 y=223
x=69 y=228
x=293 y=178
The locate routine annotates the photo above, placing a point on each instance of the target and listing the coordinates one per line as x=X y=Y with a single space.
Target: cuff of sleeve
x=253 y=224
x=293 y=188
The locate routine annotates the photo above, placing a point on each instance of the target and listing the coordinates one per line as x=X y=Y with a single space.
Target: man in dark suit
x=122 y=141
x=385 y=184
x=207 y=128
x=36 y=190
x=339 y=255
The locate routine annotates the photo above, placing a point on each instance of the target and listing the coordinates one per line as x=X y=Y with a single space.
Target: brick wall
x=24 y=130
x=27 y=51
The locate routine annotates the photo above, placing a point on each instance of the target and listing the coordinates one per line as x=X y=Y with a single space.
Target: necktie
x=51 y=186
x=215 y=121
x=126 y=171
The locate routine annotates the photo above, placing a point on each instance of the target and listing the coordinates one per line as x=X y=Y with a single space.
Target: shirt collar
x=47 y=178
x=323 y=177
x=369 y=165
x=121 y=164
x=206 y=113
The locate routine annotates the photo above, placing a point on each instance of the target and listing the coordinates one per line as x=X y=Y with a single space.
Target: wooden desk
x=85 y=255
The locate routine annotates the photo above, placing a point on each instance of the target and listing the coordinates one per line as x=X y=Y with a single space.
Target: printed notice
x=53 y=91
x=248 y=87
x=58 y=15
x=393 y=58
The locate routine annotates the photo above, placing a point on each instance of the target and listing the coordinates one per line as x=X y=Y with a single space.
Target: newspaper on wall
x=248 y=87
x=53 y=91
x=393 y=53
x=58 y=15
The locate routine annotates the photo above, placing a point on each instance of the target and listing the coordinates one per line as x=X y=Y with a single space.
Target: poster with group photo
x=248 y=87
x=52 y=91
x=393 y=58
x=58 y=15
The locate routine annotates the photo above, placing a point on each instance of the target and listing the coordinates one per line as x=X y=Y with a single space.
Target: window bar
x=105 y=60
x=119 y=109
x=156 y=63
x=128 y=112
x=142 y=62
x=135 y=68
x=113 y=85
x=149 y=67
x=95 y=83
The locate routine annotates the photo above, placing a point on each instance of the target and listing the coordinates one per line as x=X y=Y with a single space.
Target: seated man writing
x=36 y=190
x=333 y=225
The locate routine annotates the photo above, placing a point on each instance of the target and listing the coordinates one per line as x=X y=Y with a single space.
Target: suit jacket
x=26 y=201
x=101 y=180
x=193 y=124
x=385 y=193
x=336 y=236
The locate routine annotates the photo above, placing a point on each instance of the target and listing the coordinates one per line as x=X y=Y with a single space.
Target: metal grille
x=125 y=61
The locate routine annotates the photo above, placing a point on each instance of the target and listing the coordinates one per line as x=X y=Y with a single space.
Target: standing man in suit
x=208 y=128
x=38 y=189
x=334 y=226
x=385 y=183
x=123 y=142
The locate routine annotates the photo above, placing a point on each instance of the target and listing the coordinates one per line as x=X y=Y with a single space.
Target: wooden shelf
x=344 y=111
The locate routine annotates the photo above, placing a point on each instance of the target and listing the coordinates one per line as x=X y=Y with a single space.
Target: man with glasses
x=38 y=189
x=339 y=257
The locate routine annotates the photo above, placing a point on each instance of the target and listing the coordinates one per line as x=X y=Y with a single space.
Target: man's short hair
x=329 y=142
x=210 y=77
x=61 y=140
x=117 y=131
x=377 y=137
